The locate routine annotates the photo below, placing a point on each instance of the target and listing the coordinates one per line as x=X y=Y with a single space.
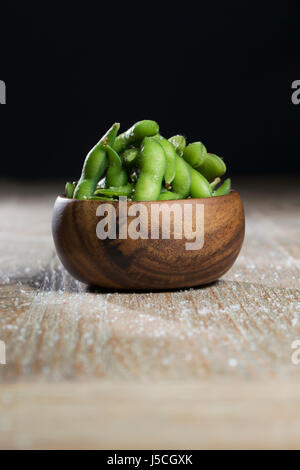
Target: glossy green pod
x=94 y=165
x=116 y=175
x=69 y=189
x=137 y=132
x=200 y=187
x=182 y=180
x=168 y=196
x=152 y=164
x=223 y=189
x=101 y=198
x=170 y=158
x=212 y=167
x=195 y=154
x=179 y=143
x=125 y=190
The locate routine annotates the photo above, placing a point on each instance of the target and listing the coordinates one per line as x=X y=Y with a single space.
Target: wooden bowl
x=147 y=264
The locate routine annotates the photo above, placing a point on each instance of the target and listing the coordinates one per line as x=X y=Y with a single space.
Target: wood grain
x=88 y=361
x=149 y=263
x=210 y=414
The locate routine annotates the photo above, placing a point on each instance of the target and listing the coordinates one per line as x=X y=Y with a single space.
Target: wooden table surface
x=208 y=367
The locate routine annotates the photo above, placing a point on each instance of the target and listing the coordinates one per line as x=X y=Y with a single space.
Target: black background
x=220 y=72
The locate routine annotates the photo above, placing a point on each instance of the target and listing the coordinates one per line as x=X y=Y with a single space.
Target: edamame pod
x=129 y=156
x=195 y=154
x=168 y=196
x=116 y=175
x=170 y=158
x=152 y=163
x=94 y=165
x=100 y=198
x=137 y=132
x=182 y=180
x=115 y=191
x=179 y=143
x=223 y=189
x=212 y=167
x=200 y=187
x=69 y=188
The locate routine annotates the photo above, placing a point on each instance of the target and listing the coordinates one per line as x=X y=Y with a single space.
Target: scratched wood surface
x=199 y=368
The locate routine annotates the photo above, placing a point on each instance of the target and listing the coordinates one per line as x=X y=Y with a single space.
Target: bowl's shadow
x=100 y=290
x=57 y=279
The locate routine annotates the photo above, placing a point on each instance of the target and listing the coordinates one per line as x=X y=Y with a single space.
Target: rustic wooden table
x=208 y=367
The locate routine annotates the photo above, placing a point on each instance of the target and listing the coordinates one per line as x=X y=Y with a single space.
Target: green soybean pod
x=129 y=156
x=182 y=180
x=223 y=189
x=212 y=167
x=116 y=175
x=168 y=196
x=137 y=132
x=152 y=164
x=195 y=154
x=170 y=158
x=100 y=198
x=116 y=191
x=200 y=187
x=69 y=188
x=179 y=143
x=94 y=165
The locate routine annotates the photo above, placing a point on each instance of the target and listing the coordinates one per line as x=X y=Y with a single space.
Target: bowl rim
x=232 y=192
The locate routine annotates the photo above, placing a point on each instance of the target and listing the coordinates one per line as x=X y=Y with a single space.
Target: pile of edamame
x=143 y=165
